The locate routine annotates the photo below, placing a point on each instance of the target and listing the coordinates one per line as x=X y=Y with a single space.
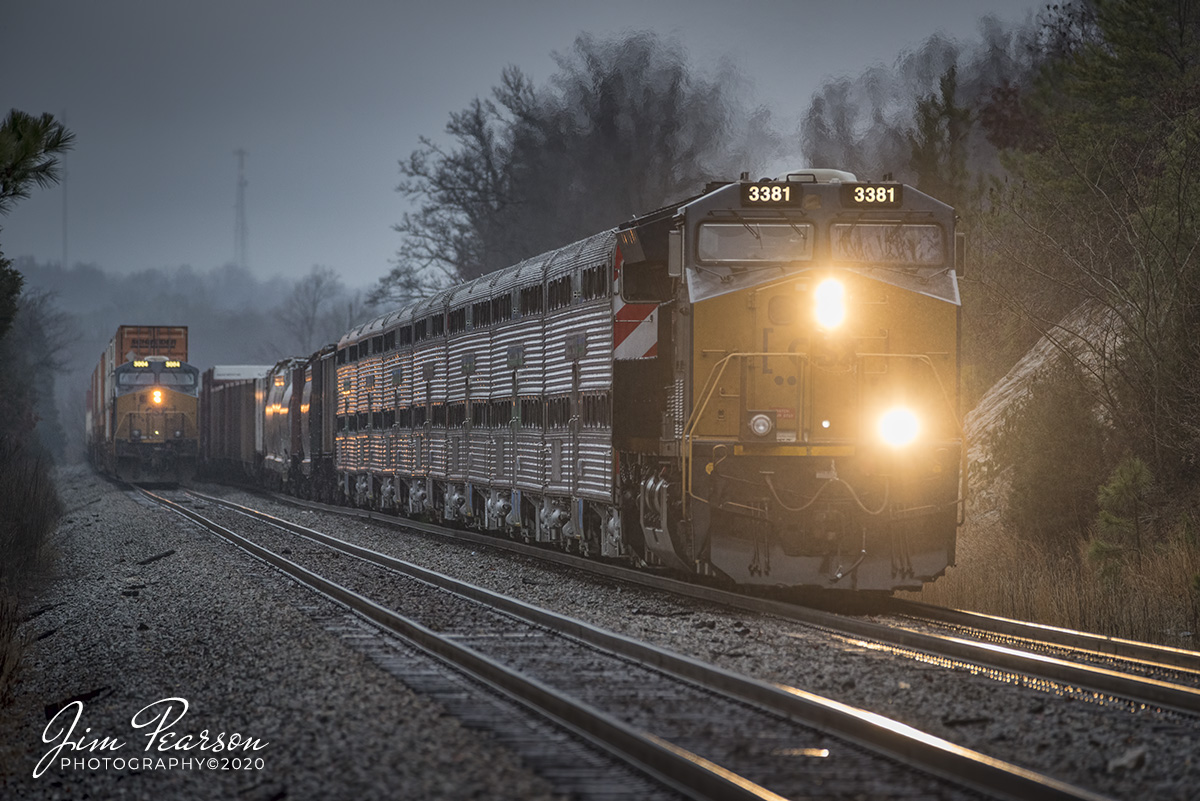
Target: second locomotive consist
x=758 y=383
x=141 y=417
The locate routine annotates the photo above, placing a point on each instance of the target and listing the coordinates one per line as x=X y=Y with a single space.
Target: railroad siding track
x=1159 y=661
x=574 y=768
x=1072 y=672
x=766 y=749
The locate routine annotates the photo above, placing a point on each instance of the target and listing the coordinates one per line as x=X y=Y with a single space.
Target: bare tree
x=624 y=126
x=310 y=307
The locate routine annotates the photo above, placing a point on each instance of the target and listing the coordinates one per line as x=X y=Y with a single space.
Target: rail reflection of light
x=1049 y=686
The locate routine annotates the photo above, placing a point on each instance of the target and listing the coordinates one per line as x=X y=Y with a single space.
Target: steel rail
x=911 y=746
x=1101 y=681
x=1150 y=654
x=674 y=767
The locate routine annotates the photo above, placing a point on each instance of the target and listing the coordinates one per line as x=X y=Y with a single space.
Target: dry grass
x=29 y=512
x=1154 y=598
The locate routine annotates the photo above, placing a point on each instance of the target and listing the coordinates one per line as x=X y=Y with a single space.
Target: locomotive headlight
x=831 y=303
x=157 y=396
x=761 y=425
x=899 y=427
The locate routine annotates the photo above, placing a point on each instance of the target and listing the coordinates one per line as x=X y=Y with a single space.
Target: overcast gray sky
x=326 y=97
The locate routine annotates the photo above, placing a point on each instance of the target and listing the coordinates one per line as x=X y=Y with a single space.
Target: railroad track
x=1086 y=666
x=700 y=730
x=1149 y=658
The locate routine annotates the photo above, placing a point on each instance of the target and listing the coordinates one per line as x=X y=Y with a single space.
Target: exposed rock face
x=1086 y=334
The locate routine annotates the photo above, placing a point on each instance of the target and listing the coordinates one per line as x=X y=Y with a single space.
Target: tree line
x=1069 y=146
x=624 y=126
x=29 y=503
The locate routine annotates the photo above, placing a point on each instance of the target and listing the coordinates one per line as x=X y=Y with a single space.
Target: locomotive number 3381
x=770 y=193
x=875 y=194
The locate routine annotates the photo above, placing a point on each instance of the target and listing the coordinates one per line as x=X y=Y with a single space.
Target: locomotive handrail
x=718 y=370
x=710 y=385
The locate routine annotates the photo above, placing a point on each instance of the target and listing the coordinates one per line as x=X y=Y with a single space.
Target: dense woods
x=29 y=503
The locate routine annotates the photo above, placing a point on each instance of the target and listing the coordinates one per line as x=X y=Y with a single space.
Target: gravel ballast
x=150 y=607
x=1105 y=748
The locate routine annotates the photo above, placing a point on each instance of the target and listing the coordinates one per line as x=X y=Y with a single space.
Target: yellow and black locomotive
x=814 y=434
x=142 y=406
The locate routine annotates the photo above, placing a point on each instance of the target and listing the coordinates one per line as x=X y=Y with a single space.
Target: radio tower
x=239 y=225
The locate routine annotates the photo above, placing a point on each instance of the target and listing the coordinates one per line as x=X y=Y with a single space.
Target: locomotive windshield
x=889 y=243
x=183 y=377
x=138 y=379
x=177 y=378
x=754 y=241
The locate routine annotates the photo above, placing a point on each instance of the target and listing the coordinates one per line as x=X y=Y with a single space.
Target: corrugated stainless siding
x=436 y=453
x=528 y=334
x=482 y=468
x=594 y=465
x=344 y=394
x=403 y=377
x=579 y=460
x=370 y=372
x=485 y=455
x=530 y=462
x=457 y=454
x=405 y=458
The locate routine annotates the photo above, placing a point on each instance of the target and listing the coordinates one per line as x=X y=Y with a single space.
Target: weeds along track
x=699 y=729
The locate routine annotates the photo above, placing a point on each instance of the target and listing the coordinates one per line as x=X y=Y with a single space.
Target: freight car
x=231 y=431
x=758 y=383
x=141 y=416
